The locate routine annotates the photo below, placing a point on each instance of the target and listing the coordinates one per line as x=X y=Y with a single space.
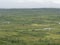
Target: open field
x=29 y=26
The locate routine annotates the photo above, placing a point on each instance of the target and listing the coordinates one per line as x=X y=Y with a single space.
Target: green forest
x=30 y=26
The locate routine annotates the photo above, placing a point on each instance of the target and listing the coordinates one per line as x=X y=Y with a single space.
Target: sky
x=29 y=3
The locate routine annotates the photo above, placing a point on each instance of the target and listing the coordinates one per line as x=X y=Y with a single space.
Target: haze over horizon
x=29 y=3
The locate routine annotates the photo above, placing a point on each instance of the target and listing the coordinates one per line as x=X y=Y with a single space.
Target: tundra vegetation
x=30 y=26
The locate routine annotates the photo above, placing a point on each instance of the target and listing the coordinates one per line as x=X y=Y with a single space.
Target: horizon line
x=29 y=8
